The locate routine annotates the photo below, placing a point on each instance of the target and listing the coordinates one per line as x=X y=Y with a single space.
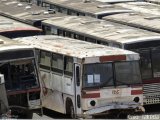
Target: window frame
x=54 y=69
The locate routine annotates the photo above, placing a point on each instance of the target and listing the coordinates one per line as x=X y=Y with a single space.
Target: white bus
x=18 y=65
x=146 y=43
x=83 y=79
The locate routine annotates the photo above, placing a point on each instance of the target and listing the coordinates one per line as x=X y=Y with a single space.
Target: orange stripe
x=91 y=95
x=136 y=92
x=14 y=92
x=137 y=86
x=112 y=58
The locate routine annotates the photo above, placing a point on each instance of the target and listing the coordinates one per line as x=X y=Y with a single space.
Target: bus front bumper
x=123 y=107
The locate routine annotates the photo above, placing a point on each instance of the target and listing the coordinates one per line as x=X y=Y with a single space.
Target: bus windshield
x=19 y=74
x=111 y=74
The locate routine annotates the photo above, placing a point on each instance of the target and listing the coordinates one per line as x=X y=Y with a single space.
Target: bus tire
x=70 y=109
x=29 y=115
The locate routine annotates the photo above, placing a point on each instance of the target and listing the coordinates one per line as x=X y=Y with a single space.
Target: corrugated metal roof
x=101 y=29
x=72 y=47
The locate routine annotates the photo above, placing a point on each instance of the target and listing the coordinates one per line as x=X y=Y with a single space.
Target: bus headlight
x=92 y=102
x=136 y=99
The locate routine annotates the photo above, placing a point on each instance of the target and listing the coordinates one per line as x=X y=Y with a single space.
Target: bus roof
x=101 y=29
x=7 y=44
x=153 y=1
x=24 y=11
x=88 y=6
x=144 y=7
x=116 y=1
x=74 y=48
x=8 y=25
x=145 y=21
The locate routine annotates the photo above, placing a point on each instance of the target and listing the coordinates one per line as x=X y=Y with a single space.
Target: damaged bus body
x=17 y=64
x=83 y=79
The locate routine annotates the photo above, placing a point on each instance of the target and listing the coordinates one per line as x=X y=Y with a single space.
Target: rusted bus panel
x=24 y=12
x=75 y=48
x=102 y=30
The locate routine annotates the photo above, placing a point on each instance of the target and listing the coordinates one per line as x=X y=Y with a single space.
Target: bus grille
x=151 y=88
x=151 y=93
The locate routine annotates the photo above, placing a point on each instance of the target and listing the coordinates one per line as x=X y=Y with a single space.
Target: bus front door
x=77 y=90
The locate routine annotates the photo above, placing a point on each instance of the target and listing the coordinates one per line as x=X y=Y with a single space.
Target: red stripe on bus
x=91 y=95
x=151 y=81
x=112 y=58
x=136 y=86
x=22 y=91
x=136 y=92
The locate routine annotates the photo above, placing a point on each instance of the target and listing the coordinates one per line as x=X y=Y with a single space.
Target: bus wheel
x=70 y=110
x=29 y=115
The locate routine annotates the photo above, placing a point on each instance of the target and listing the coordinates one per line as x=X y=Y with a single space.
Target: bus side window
x=54 y=31
x=47 y=30
x=102 y=42
x=90 y=40
x=45 y=60
x=68 y=66
x=78 y=75
x=79 y=37
x=57 y=63
x=60 y=32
